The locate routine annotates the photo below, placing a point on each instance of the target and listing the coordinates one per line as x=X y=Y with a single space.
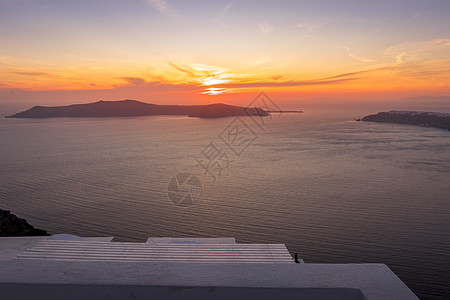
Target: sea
x=332 y=189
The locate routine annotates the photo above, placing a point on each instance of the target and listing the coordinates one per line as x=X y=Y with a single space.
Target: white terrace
x=69 y=267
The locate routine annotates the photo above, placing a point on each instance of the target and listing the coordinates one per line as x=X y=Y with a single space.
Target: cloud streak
x=219 y=19
x=359 y=58
x=203 y=74
x=416 y=51
x=162 y=6
x=136 y=81
x=33 y=73
x=187 y=70
x=265 y=28
x=309 y=28
x=284 y=83
x=386 y=68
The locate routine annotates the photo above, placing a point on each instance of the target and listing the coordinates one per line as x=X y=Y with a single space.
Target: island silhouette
x=133 y=108
x=422 y=118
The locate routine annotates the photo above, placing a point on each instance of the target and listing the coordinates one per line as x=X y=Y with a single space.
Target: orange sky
x=160 y=50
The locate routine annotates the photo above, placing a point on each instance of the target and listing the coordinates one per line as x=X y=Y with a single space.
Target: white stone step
x=153 y=252
x=170 y=240
x=163 y=246
x=160 y=251
x=160 y=259
x=99 y=239
x=116 y=245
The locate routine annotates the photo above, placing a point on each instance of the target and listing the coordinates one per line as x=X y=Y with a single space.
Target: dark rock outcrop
x=220 y=110
x=429 y=119
x=10 y=225
x=133 y=108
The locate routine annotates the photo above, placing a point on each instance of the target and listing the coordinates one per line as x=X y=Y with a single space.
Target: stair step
x=170 y=240
x=171 y=260
x=112 y=244
x=154 y=252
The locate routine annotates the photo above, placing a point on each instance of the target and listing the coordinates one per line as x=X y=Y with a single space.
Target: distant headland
x=133 y=108
x=429 y=119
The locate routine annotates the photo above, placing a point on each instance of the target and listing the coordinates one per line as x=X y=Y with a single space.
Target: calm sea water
x=332 y=189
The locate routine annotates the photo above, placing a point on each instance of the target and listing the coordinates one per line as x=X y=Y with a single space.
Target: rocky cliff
x=10 y=225
x=430 y=119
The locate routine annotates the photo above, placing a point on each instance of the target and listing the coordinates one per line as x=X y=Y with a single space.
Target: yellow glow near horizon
x=214 y=91
x=213 y=81
x=405 y=72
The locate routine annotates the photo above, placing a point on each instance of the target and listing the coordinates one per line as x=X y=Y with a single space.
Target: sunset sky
x=162 y=51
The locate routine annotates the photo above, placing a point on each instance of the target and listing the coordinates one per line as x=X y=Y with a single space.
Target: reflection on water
x=332 y=189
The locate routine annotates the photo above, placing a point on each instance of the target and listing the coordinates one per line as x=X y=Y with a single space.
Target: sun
x=214 y=91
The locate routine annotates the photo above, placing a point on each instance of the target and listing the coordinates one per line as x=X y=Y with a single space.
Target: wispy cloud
x=357 y=57
x=33 y=73
x=285 y=83
x=219 y=19
x=431 y=73
x=331 y=80
x=277 y=77
x=162 y=6
x=6 y=60
x=265 y=28
x=218 y=81
x=136 y=81
x=309 y=28
x=399 y=58
x=4 y=57
x=416 y=51
x=185 y=69
x=203 y=74
x=349 y=74
x=227 y=7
